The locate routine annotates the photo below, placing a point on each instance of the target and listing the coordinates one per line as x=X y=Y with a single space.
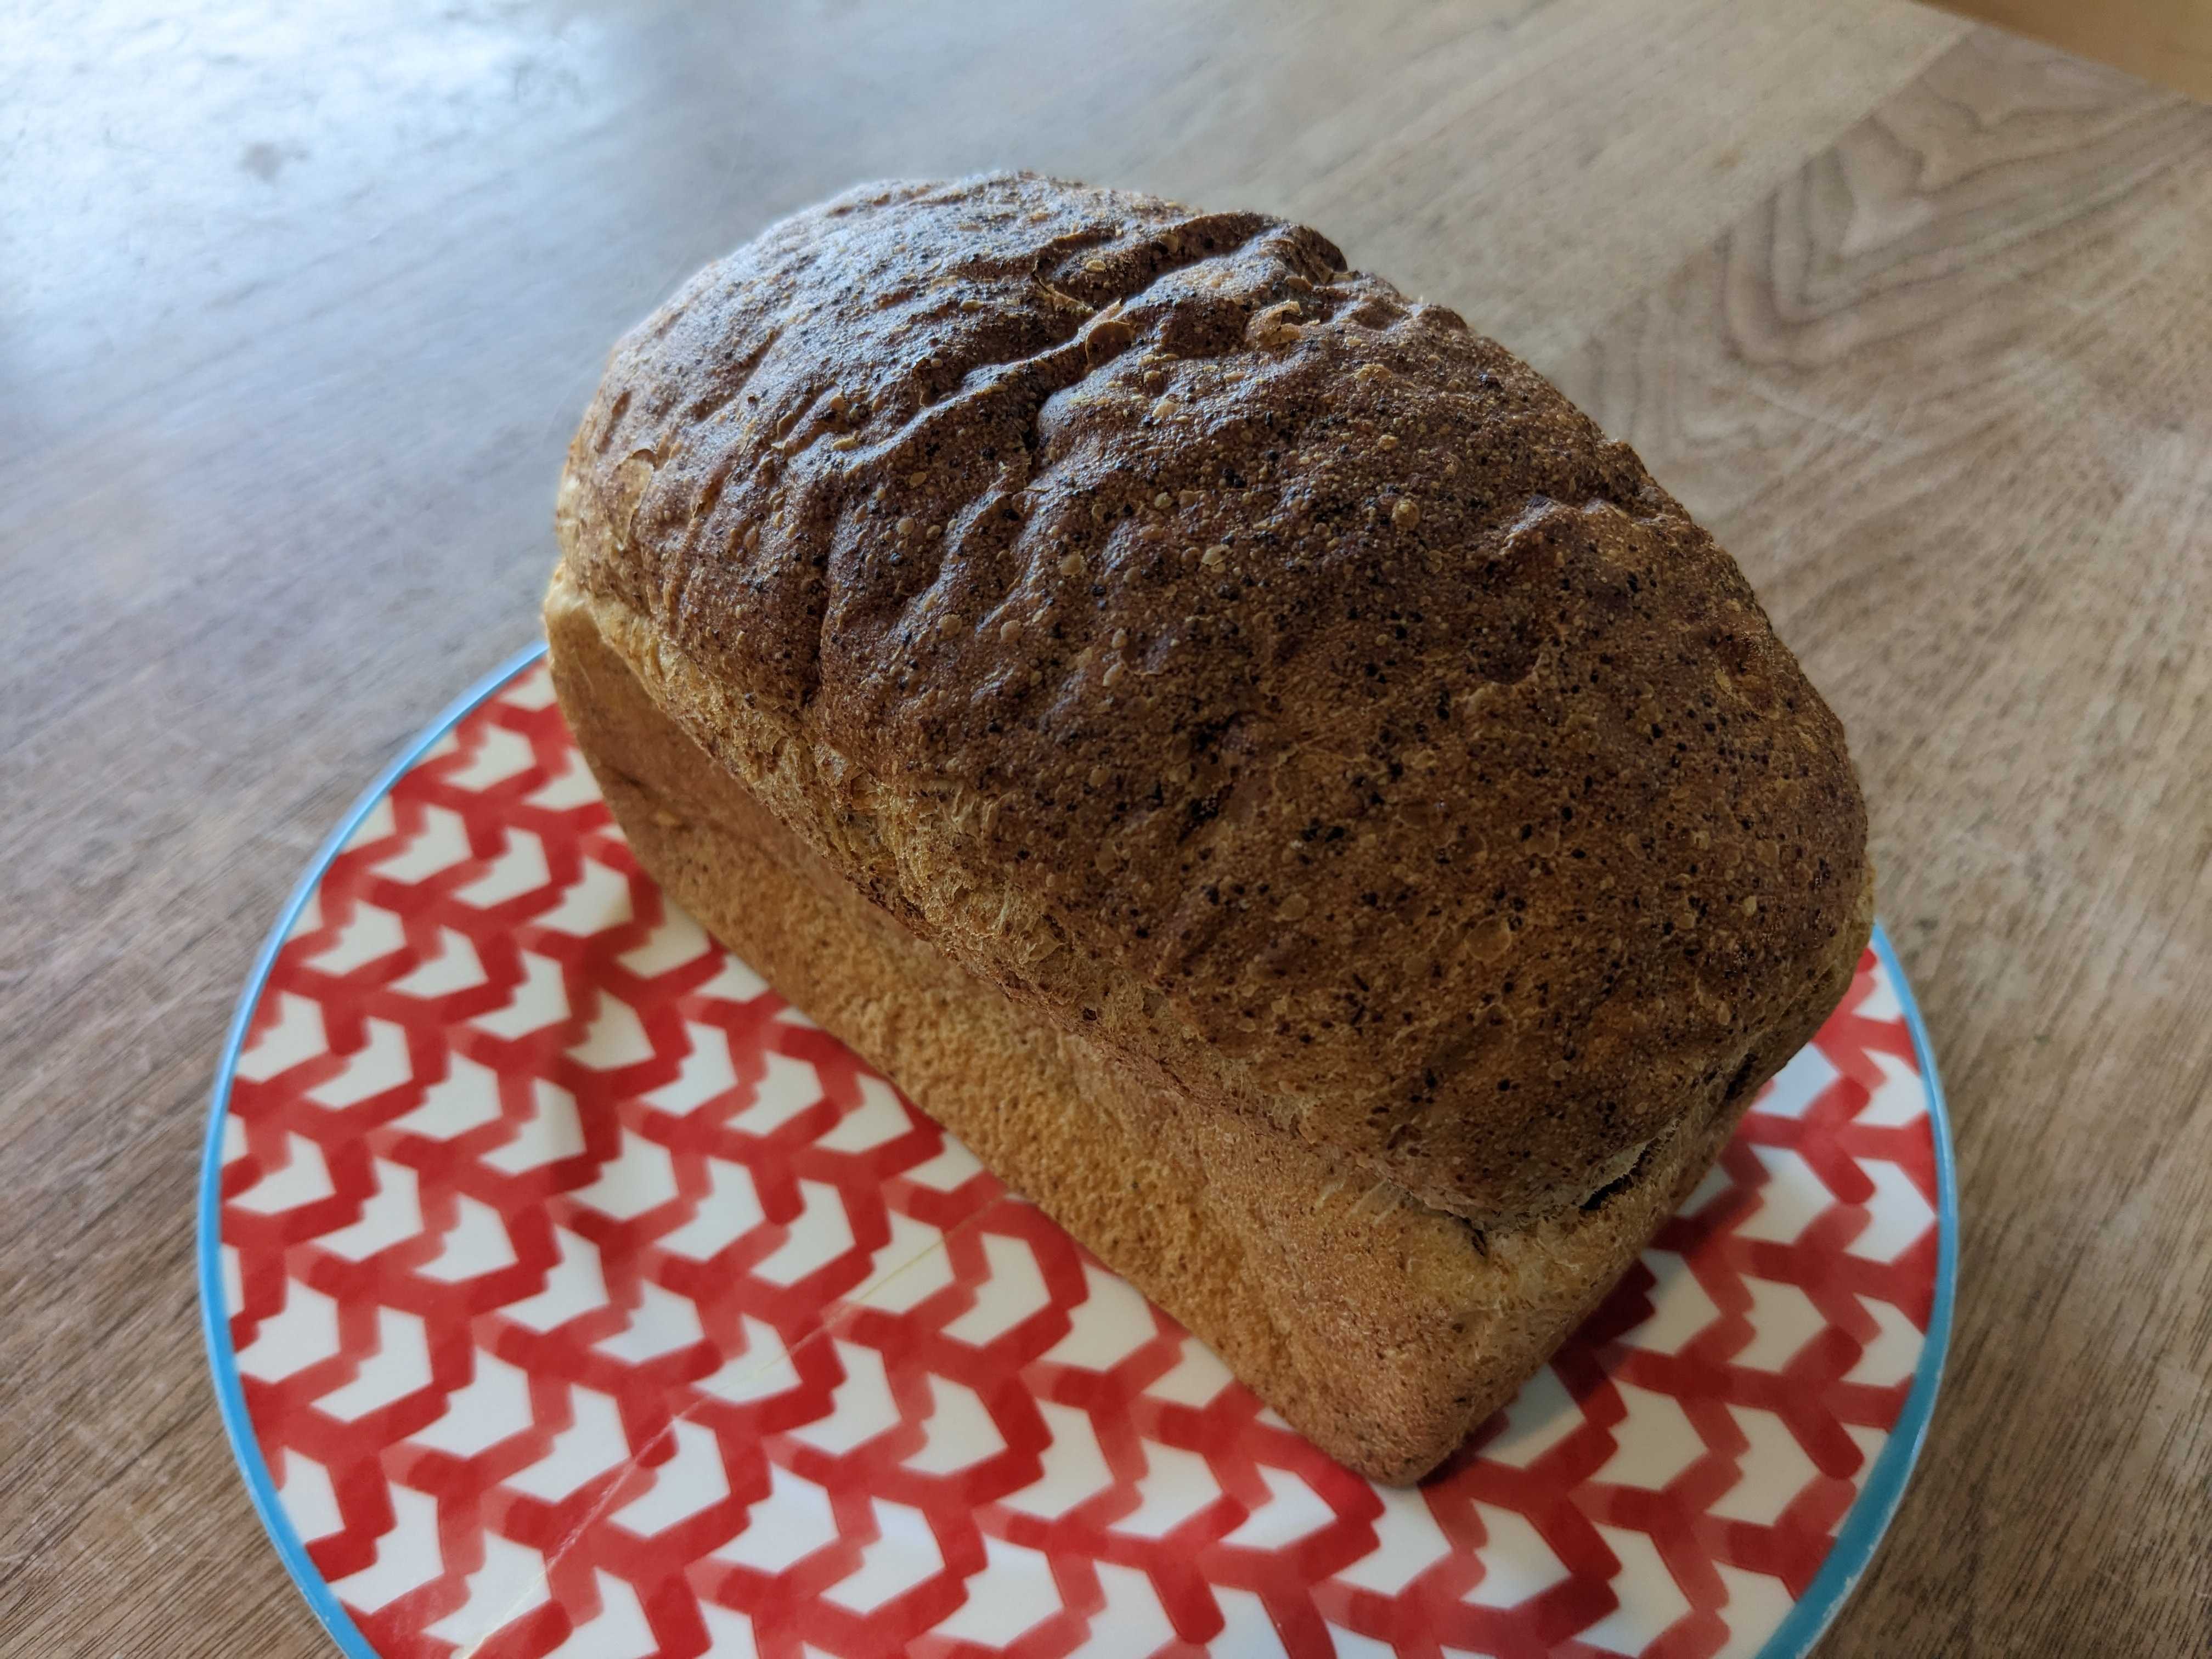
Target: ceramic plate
x=569 y=1293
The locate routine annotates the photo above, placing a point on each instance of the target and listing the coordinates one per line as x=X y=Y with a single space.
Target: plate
x=569 y=1293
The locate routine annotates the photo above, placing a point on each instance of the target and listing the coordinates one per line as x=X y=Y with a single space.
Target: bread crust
x=1238 y=663
x=1380 y=1328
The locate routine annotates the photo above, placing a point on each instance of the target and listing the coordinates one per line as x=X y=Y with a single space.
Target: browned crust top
x=1384 y=750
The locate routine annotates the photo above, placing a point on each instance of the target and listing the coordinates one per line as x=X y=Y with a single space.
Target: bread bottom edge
x=1382 y=1330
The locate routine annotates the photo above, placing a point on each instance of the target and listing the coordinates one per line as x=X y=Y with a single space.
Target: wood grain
x=296 y=317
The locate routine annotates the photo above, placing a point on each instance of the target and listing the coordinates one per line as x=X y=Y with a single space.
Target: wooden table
x=294 y=320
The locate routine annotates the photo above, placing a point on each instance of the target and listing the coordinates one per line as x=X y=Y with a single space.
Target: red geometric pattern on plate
x=590 y=1301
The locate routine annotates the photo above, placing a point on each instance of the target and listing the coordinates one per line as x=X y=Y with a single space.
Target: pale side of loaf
x=1380 y=1329
x=1239 y=666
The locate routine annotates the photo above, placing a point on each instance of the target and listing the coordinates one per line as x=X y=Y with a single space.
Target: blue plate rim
x=1856 y=1541
x=222 y=1359
x=1871 y=1510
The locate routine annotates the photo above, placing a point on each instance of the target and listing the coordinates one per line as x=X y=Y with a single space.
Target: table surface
x=294 y=320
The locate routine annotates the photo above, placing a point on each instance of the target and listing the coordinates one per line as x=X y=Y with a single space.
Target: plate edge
x=1867 y=1521
x=1856 y=1541
x=223 y=1360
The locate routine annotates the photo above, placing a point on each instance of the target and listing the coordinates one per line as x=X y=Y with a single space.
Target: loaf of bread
x=1236 y=747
